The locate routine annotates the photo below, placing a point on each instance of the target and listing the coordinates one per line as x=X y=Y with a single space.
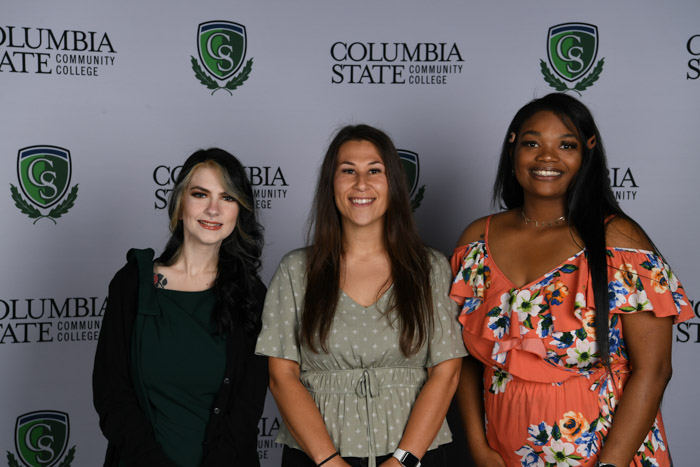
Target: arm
x=299 y=412
x=122 y=420
x=648 y=340
x=429 y=410
x=470 y=391
x=470 y=399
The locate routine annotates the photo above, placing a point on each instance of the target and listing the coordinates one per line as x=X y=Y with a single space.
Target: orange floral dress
x=547 y=398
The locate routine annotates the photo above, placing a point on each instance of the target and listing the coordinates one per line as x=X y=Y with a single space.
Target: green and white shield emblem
x=411 y=167
x=44 y=173
x=222 y=47
x=572 y=49
x=41 y=437
x=409 y=160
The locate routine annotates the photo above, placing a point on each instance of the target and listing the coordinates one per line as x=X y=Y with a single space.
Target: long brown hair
x=410 y=301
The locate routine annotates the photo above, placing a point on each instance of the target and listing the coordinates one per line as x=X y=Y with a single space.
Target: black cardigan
x=231 y=433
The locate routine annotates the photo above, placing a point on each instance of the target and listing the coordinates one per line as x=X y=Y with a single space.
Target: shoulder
x=139 y=255
x=292 y=265
x=623 y=232
x=126 y=276
x=294 y=258
x=129 y=273
x=437 y=259
x=474 y=232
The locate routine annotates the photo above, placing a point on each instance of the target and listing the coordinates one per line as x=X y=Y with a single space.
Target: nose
x=212 y=208
x=547 y=153
x=361 y=181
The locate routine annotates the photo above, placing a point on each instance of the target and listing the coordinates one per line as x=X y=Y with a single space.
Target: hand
x=488 y=457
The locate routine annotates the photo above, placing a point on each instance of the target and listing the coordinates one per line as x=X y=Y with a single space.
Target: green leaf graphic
x=591 y=78
x=415 y=202
x=68 y=459
x=228 y=87
x=551 y=78
x=203 y=77
x=241 y=77
x=11 y=460
x=64 y=206
x=23 y=205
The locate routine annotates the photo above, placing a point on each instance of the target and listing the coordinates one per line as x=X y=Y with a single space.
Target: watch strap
x=406 y=458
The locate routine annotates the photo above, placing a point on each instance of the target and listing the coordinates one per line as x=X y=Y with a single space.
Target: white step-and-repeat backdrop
x=112 y=96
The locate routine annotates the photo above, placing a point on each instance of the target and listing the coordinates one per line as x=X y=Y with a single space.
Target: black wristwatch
x=406 y=458
x=604 y=464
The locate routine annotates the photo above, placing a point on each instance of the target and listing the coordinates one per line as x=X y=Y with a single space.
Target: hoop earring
x=591 y=142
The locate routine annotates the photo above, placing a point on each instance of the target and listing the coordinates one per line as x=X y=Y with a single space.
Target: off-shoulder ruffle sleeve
x=472 y=276
x=640 y=280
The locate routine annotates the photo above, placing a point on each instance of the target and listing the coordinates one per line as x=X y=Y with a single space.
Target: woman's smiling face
x=209 y=213
x=547 y=156
x=360 y=184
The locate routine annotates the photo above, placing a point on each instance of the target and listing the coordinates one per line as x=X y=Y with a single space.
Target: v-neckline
x=537 y=279
x=371 y=305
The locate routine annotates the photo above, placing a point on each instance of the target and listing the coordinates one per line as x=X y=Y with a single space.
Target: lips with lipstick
x=210 y=225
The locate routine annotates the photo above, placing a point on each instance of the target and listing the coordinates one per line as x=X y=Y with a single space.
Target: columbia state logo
x=572 y=49
x=44 y=174
x=41 y=439
x=221 y=46
x=411 y=166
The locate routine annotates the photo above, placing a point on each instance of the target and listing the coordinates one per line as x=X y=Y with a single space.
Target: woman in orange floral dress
x=567 y=308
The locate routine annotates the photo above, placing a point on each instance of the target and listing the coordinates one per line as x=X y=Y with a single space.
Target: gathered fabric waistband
x=371 y=379
x=365 y=383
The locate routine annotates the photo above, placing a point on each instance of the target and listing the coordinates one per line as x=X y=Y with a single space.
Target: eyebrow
x=537 y=133
x=352 y=163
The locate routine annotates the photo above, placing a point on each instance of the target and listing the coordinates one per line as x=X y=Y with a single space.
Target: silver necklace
x=542 y=223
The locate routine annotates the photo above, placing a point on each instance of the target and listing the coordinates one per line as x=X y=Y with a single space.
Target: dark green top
x=181 y=365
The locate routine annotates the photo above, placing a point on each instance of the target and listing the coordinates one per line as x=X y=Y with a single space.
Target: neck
x=363 y=241
x=195 y=260
x=543 y=210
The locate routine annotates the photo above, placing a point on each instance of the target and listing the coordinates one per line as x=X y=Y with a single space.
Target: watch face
x=409 y=460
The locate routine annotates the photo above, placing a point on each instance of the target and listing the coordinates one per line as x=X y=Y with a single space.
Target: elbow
x=658 y=377
x=666 y=374
x=281 y=381
x=453 y=381
x=447 y=376
x=663 y=374
x=275 y=385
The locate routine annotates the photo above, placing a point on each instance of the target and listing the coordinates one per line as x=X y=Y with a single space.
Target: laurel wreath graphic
x=33 y=213
x=415 y=202
x=68 y=459
x=210 y=83
x=12 y=460
x=560 y=86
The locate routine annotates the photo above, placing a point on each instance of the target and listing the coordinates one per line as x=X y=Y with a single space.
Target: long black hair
x=589 y=201
x=411 y=298
x=237 y=283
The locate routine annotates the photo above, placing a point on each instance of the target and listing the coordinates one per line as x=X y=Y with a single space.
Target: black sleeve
x=123 y=422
